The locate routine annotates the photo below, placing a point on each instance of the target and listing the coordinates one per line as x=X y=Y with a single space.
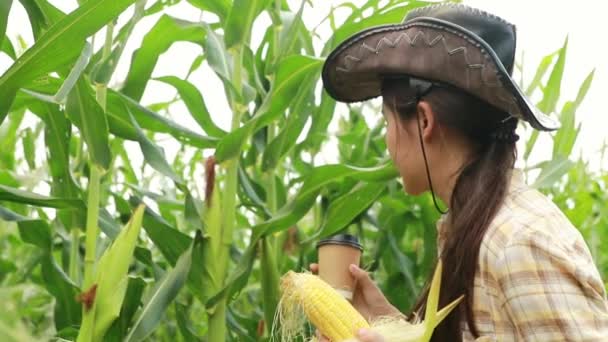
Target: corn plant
x=191 y=246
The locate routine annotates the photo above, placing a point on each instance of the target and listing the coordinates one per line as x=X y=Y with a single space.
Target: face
x=403 y=145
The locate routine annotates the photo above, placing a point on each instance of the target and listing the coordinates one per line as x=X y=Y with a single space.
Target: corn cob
x=327 y=310
x=338 y=320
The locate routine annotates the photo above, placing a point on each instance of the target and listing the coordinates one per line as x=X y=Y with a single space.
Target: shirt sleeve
x=551 y=289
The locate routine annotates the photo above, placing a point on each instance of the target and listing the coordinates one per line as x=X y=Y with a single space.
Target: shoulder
x=530 y=219
x=531 y=240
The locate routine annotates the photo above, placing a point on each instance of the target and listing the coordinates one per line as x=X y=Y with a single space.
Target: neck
x=444 y=177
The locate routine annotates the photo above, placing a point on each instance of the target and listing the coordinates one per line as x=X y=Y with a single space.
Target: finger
x=314 y=268
x=362 y=277
x=367 y=335
x=320 y=338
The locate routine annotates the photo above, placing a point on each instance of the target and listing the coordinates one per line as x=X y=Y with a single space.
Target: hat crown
x=495 y=31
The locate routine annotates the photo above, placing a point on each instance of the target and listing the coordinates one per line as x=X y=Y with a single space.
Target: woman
x=452 y=109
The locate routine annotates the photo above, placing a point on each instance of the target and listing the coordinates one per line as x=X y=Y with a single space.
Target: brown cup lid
x=341 y=239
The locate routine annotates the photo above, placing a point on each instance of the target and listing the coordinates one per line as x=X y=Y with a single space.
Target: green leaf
x=154 y=155
x=288 y=36
x=552 y=171
x=58 y=46
x=354 y=24
x=29 y=148
x=57 y=135
x=7 y=47
x=286 y=139
x=119 y=107
x=112 y=272
x=67 y=309
x=552 y=89
x=240 y=20
x=157 y=41
x=5 y=8
x=26 y=197
x=103 y=69
x=344 y=209
x=84 y=111
x=289 y=215
x=160 y=298
x=291 y=74
x=70 y=80
x=565 y=137
x=135 y=290
x=184 y=324
x=195 y=103
x=540 y=73
x=219 y=7
x=36 y=232
x=170 y=241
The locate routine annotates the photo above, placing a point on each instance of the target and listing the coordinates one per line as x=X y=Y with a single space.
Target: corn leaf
x=36 y=232
x=132 y=302
x=67 y=311
x=5 y=8
x=26 y=197
x=58 y=46
x=290 y=214
x=291 y=73
x=57 y=135
x=240 y=19
x=154 y=155
x=157 y=41
x=84 y=111
x=29 y=148
x=7 y=47
x=170 y=241
x=552 y=171
x=285 y=140
x=552 y=89
x=219 y=7
x=118 y=114
x=542 y=69
x=195 y=103
x=159 y=298
x=347 y=207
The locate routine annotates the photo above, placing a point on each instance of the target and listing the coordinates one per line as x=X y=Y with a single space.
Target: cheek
x=391 y=140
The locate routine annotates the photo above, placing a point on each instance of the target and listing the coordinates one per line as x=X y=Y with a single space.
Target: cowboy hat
x=448 y=43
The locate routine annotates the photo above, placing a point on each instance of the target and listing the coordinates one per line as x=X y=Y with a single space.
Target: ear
x=427 y=120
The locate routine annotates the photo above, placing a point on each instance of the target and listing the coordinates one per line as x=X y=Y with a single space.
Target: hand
x=367 y=335
x=363 y=335
x=367 y=297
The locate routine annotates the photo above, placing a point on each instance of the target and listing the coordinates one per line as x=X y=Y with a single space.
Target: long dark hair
x=478 y=193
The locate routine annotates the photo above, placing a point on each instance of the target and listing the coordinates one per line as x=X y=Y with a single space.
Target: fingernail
x=353 y=268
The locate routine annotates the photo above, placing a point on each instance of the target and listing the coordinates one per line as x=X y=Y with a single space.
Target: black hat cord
x=426 y=163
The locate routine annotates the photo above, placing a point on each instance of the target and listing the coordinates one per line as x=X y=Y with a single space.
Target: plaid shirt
x=536 y=279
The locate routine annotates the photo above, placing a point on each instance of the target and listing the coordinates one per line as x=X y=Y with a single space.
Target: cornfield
x=105 y=236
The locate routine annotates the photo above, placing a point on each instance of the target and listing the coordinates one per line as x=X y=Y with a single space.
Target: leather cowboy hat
x=447 y=43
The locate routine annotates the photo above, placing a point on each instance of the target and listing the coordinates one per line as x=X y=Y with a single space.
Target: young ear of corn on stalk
x=307 y=296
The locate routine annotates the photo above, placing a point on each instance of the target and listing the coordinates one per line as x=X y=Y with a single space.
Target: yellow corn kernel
x=326 y=309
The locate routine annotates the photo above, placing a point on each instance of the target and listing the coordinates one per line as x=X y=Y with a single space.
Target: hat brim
x=430 y=49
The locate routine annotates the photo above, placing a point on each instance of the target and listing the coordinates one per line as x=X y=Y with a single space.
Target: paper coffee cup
x=335 y=254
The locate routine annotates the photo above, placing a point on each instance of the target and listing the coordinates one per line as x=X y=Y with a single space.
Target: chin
x=410 y=189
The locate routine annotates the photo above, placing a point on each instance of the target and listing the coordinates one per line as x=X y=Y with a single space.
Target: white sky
x=542 y=27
